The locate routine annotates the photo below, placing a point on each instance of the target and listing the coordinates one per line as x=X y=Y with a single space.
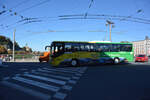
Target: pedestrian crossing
x=46 y=83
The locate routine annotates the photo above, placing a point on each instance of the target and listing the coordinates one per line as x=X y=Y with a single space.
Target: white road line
x=60 y=96
x=78 y=74
x=60 y=70
x=46 y=79
x=17 y=75
x=75 y=77
x=54 y=76
x=31 y=92
x=6 y=78
x=68 y=69
x=67 y=87
x=53 y=72
x=23 y=69
x=72 y=81
x=38 y=84
x=43 y=70
x=26 y=72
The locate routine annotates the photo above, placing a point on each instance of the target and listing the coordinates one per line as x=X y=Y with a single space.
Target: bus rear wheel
x=116 y=60
x=74 y=62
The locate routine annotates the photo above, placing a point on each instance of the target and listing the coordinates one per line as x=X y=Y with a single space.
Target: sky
x=39 y=34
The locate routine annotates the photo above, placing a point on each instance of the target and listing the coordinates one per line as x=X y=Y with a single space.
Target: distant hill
x=8 y=44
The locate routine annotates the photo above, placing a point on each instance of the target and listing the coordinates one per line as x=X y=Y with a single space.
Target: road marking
x=52 y=72
x=38 y=84
x=68 y=69
x=75 y=77
x=54 y=76
x=60 y=96
x=72 y=81
x=46 y=79
x=26 y=72
x=60 y=70
x=67 y=87
x=78 y=74
x=6 y=78
x=23 y=69
x=27 y=90
x=17 y=75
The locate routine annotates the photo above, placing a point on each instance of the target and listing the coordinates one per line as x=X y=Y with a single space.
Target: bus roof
x=89 y=42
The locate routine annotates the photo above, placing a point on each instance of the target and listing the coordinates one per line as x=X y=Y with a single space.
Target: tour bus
x=77 y=53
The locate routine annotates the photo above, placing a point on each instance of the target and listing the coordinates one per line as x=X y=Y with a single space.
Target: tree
x=2 y=50
x=6 y=41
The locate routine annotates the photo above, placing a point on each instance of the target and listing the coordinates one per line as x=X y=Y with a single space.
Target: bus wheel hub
x=74 y=63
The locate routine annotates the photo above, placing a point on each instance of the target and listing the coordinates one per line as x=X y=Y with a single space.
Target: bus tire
x=116 y=60
x=74 y=62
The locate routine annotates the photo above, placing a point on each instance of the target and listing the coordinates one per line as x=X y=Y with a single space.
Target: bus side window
x=75 y=47
x=92 y=49
x=67 y=48
x=81 y=47
x=126 y=47
x=115 y=48
x=106 y=47
x=87 y=47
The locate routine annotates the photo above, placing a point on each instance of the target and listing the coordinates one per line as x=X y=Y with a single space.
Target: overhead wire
x=25 y=18
x=38 y=4
x=121 y=18
x=131 y=20
x=86 y=13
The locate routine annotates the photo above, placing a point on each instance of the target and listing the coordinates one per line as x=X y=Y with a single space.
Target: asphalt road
x=40 y=81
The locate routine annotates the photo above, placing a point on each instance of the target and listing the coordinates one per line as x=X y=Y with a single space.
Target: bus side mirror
x=47 y=47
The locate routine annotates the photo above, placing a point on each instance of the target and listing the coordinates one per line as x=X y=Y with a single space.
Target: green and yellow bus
x=77 y=53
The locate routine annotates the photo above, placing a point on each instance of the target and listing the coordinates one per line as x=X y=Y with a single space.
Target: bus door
x=57 y=49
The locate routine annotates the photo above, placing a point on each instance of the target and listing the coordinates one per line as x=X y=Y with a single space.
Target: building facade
x=142 y=46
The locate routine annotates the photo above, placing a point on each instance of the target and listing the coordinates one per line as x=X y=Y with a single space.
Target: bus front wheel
x=74 y=62
x=116 y=60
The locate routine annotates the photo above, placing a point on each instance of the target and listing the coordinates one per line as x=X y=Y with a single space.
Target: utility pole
x=106 y=31
x=146 y=39
x=14 y=45
x=110 y=25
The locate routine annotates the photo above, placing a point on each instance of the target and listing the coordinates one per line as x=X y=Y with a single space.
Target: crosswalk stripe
x=6 y=78
x=38 y=84
x=60 y=70
x=46 y=79
x=48 y=71
x=54 y=76
x=31 y=92
x=75 y=77
x=72 y=81
x=67 y=87
x=60 y=96
x=69 y=69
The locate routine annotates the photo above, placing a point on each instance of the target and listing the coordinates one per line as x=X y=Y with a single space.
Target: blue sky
x=36 y=36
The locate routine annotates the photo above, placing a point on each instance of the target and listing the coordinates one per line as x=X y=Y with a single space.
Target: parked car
x=141 y=58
